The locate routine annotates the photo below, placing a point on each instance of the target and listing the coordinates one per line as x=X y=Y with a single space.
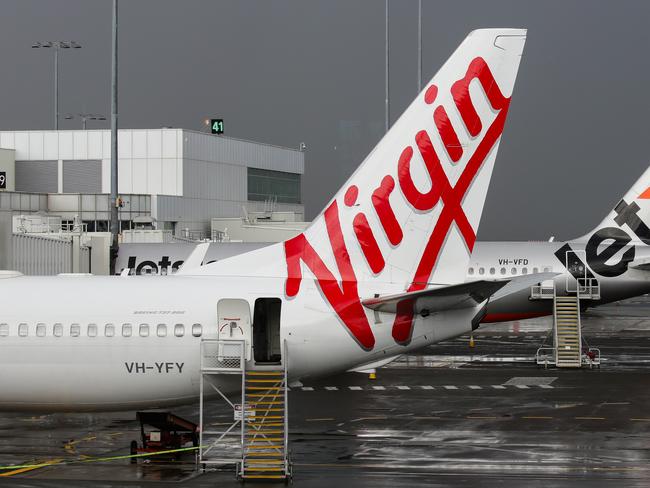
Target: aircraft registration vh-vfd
x=380 y=272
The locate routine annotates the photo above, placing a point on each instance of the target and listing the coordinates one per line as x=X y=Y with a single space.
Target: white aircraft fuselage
x=507 y=259
x=93 y=371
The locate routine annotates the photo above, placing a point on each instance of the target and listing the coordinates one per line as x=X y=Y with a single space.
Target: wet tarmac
x=449 y=416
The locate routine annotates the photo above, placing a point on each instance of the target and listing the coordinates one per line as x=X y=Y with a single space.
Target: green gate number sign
x=216 y=126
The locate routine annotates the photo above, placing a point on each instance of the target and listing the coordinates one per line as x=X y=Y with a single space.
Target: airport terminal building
x=175 y=178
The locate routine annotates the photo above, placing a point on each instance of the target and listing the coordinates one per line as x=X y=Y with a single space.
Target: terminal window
x=264 y=184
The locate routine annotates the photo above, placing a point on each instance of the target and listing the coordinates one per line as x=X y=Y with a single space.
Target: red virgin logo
x=343 y=297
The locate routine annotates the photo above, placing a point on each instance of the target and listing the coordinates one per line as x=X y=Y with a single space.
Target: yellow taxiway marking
x=536 y=417
x=51 y=462
x=589 y=418
x=425 y=418
x=481 y=417
x=319 y=420
x=640 y=420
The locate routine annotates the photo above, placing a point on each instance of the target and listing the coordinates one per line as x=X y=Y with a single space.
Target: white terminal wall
x=150 y=161
x=197 y=176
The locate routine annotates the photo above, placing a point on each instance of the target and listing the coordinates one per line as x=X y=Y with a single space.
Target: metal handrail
x=541 y=356
x=587 y=359
x=223 y=347
x=588 y=288
x=285 y=360
x=541 y=291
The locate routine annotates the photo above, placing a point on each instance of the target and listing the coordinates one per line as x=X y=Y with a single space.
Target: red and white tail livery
x=407 y=218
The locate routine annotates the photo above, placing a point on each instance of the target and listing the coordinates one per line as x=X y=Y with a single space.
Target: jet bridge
x=257 y=439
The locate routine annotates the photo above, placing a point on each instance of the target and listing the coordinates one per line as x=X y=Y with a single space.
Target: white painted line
x=403 y=387
x=522 y=387
x=378 y=387
x=451 y=387
x=355 y=388
x=496 y=337
x=498 y=387
x=512 y=337
x=427 y=387
x=474 y=387
x=331 y=388
x=307 y=388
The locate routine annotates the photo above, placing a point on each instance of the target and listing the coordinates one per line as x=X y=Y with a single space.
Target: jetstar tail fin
x=630 y=215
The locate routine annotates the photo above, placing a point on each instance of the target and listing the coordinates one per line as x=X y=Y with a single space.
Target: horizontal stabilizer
x=451 y=297
x=437 y=299
x=642 y=264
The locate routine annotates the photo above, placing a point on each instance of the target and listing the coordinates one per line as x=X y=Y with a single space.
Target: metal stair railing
x=567 y=331
x=262 y=456
x=220 y=357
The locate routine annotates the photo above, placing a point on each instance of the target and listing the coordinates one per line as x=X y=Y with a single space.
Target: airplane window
x=22 y=330
x=491 y=270
x=40 y=330
x=75 y=330
x=197 y=330
x=513 y=271
x=481 y=271
x=470 y=271
x=503 y=271
x=144 y=330
x=109 y=330
x=4 y=330
x=535 y=270
x=179 y=330
x=126 y=330
x=92 y=330
x=57 y=330
x=162 y=330
x=524 y=270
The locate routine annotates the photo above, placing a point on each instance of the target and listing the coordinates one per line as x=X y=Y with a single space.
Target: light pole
x=387 y=74
x=115 y=224
x=56 y=45
x=85 y=118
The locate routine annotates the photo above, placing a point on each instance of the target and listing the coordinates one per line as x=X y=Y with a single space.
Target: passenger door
x=234 y=322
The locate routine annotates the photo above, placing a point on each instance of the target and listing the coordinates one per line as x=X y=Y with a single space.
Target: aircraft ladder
x=265 y=441
x=567 y=333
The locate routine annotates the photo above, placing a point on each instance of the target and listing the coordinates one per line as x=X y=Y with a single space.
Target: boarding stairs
x=569 y=349
x=265 y=442
x=256 y=441
x=567 y=334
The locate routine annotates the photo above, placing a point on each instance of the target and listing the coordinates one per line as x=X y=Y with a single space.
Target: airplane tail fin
x=410 y=212
x=407 y=217
x=630 y=215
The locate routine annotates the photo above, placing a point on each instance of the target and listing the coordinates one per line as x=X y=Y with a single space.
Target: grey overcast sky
x=283 y=72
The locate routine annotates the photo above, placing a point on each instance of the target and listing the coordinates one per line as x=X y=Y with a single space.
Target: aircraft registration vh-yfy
x=380 y=272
